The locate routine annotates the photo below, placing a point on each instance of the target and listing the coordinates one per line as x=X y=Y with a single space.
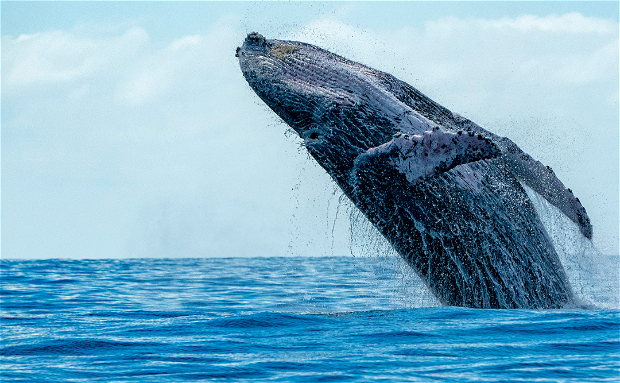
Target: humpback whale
x=446 y=193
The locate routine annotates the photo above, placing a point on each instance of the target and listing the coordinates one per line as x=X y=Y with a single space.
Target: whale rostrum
x=446 y=193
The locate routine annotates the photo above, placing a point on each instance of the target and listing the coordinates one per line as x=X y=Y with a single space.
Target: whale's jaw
x=442 y=190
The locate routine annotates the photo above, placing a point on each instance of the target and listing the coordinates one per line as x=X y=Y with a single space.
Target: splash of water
x=594 y=276
x=409 y=291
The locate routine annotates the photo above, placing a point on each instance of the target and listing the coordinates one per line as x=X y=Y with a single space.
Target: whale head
x=339 y=108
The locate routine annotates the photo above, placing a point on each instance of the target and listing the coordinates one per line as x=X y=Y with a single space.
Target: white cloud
x=570 y=48
x=186 y=42
x=59 y=56
x=142 y=87
x=572 y=23
x=157 y=72
x=599 y=65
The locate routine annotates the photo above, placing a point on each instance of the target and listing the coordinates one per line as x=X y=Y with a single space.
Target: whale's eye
x=314 y=135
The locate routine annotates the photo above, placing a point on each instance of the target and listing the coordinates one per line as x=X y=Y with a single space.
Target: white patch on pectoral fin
x=434 y=152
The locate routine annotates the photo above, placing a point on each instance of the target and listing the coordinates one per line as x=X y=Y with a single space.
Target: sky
x=128 y=129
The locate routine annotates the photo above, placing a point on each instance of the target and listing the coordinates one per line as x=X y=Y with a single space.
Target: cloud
x=570 y=49
x=183 y=60
x=59 y=56
x=571 y=23
x=597 y=66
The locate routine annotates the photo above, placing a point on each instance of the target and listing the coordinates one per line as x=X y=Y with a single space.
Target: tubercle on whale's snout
x=255 y=38
x=253 y=42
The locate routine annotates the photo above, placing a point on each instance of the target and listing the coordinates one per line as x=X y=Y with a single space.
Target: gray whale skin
x=446 y=193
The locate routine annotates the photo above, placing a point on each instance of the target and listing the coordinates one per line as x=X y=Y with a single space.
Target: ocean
x=351 y=319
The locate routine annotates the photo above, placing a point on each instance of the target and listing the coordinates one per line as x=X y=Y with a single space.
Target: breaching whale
x=446 y=193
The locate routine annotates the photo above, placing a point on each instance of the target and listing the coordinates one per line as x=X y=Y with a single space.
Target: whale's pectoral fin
x=418 y=157
x=543 y=181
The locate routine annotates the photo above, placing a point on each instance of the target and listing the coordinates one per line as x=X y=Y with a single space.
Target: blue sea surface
x=278 y=319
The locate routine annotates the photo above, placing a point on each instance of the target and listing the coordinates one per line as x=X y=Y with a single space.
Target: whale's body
x=446 y=193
